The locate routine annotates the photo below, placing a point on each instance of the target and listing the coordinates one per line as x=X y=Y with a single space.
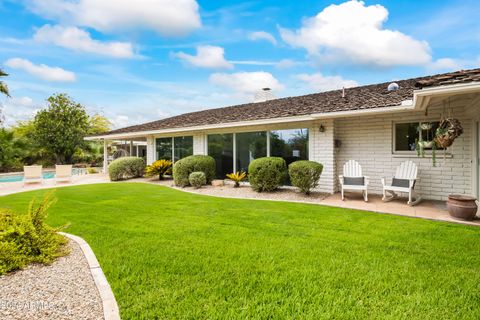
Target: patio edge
x=109 y=304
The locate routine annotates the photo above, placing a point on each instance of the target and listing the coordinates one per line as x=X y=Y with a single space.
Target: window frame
x=428 y=152
x=268 y=145
x=172 y=138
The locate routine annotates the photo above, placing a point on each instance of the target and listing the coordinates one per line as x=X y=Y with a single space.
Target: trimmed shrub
x=183 y=167
x=267 y=174
x=305 y=174
x=197 y=179
x=126 y=168
x=25 y=238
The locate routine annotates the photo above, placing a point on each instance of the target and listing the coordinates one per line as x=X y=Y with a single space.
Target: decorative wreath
x=448 y=130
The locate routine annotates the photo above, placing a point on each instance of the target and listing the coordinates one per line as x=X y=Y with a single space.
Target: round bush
x=267 y=174
x=305 y=174
x=183 y=167
x=197 y=179
x=126 y=168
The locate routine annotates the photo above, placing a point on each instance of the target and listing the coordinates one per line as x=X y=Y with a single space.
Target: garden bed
x=285 y=193
x=63 y=290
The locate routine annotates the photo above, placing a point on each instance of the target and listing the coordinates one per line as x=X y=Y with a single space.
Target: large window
x=220 y=147
x=174 y=148
x=164 y=148
x=249 y=146
x=183 y=147
x=291 y=145
x=408 y=133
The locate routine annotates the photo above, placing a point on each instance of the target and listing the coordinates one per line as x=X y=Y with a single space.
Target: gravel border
x=110 y=306
x=64 y=289
x=284 y=193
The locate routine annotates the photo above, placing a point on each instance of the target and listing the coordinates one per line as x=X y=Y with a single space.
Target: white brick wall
x=199 y=144
x=150 y=150
x=321 y=149
x=369 y=140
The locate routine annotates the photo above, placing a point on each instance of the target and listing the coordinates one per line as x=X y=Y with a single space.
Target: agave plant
x=160 y=167
x=237 y=177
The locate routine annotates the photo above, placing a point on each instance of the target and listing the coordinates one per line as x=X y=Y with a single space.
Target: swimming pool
x=46 y=175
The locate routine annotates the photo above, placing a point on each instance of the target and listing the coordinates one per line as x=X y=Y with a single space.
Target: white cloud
x=246 y=82
x=446 y=64
x=262 y=35
x=355 y=32
x=207 y=57
x=451 y=64
x=120 y=121
x=18 y=108
x=166 y=17
x=286 y=63
x=80 y=40
x=41 y=71
x=319 y=82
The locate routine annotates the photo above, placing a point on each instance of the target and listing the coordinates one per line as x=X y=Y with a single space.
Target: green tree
x=98 y=124
x=11 y=151
x=61 y=127
x=3 y=85
x=33 y=152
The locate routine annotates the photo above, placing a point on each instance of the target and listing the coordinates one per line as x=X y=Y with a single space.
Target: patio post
x=105 y=155
x=131 y=148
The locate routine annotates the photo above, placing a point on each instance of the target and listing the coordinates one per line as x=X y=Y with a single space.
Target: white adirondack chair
x=32 y=174
x=403 y=181
x=63 y=173
x=353 y=179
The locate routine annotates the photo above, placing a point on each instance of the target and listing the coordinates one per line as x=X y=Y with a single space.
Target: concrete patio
x=15 y=187
x=427 y=209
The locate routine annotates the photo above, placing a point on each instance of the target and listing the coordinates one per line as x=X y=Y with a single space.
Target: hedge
x=197 y=179
x=305 y=174
x=183 y=167
x=267 y=174
x=126 y=168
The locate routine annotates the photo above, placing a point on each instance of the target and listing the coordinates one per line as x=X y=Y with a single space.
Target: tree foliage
x=61 y=127
x=11 y=151
x=3 y=85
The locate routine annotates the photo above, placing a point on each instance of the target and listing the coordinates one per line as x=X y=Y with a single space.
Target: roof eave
x=420 y=100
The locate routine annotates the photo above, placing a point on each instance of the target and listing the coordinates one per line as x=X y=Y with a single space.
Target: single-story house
x=373 y=124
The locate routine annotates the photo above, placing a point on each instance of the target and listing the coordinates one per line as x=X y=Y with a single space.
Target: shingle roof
x=358 y=98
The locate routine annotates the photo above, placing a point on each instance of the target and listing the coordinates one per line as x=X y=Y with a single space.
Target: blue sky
x=137 y=61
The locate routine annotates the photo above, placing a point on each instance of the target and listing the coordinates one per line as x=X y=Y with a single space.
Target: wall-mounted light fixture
x=321 y=128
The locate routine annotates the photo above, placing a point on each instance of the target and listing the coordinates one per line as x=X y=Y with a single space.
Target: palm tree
x=3 y=85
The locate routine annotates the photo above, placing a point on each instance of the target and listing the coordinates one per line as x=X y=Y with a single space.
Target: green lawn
x=174 y=255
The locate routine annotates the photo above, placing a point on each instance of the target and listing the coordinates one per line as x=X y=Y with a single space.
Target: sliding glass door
x=249 y=146
x=234 y=151
x=174 y=148
x=182 y=147
x=291 y=145
x=220 y=147
x=164 y=148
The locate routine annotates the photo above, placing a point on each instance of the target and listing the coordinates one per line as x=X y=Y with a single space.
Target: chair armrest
x=367 y=180
x=384 y=181
x=412 y=182
x=340 y=178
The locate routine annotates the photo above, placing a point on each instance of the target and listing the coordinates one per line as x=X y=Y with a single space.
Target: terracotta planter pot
x=462 y=207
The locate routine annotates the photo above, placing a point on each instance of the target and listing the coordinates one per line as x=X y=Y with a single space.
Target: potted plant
x=462 y=206
x=447 y=132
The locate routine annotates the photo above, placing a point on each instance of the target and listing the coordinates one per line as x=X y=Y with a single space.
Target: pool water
x=46 y=175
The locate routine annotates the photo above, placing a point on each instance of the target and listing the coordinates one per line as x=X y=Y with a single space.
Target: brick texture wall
x=369 y=140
